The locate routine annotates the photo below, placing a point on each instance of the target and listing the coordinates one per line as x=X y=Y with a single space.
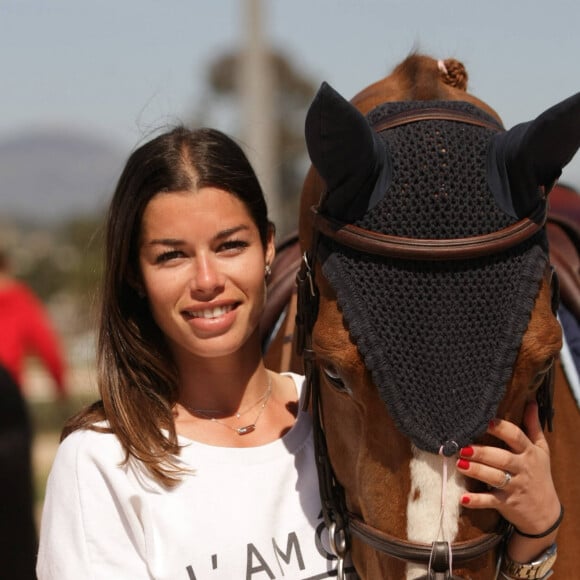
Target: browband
x=401 y=247
x=434 y=114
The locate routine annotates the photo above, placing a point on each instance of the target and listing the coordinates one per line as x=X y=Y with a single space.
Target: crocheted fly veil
x=439 y=337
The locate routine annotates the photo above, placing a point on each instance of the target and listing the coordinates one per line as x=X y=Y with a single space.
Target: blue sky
x=119 y=68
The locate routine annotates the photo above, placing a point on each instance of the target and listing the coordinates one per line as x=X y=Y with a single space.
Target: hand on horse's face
x=519 y=478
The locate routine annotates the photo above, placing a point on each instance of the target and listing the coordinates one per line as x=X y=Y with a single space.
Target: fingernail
x=463 y=464
x=492 y=424
x=465 y=499
x=466 y=451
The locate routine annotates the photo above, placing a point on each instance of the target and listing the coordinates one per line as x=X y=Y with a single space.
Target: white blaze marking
x=424 y=521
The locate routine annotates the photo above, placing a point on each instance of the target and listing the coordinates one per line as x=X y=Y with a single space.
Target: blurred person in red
x=25 y=329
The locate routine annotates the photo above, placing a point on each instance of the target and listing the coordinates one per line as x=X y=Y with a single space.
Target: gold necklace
x=244 y=430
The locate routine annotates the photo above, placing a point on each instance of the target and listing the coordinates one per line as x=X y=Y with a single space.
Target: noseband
x=342 y=525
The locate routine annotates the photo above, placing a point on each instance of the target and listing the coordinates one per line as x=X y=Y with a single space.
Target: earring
x=267 y=270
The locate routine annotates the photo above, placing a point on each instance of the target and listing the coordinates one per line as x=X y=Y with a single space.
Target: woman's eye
x=166 y=256
x=233 y=245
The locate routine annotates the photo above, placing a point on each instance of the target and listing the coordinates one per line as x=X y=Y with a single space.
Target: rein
x=343 y=525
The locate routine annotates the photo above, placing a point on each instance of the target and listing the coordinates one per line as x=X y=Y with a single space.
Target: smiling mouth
x=209 y=313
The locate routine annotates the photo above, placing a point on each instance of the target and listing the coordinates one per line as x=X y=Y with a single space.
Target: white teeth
x=211 y=312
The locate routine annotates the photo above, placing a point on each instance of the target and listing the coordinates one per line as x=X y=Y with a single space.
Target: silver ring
x=507 y=477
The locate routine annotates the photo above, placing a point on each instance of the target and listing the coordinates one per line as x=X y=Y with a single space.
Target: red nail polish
x=463 y=464
x=467 y=451
x=465 y=499
x=492 y=424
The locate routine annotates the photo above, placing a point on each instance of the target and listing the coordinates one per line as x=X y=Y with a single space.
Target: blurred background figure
x=25 y=329
x=18 y=541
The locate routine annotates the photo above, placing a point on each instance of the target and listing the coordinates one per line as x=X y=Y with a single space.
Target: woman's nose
x=207 y=276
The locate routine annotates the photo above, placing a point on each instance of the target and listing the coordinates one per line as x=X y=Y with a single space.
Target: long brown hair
x=136 y=376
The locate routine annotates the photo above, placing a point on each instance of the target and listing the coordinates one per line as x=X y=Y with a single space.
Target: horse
x=369 y=450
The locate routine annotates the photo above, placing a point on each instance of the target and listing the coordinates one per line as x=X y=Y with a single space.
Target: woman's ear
x=270 y=253
x=134 y=280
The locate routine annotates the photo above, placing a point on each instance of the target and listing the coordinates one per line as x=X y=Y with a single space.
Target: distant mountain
x=50 y=175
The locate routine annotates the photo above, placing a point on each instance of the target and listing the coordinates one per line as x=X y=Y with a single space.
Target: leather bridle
x=342 y=525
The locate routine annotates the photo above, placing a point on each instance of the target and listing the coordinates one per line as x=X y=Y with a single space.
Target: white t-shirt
x=251 y=513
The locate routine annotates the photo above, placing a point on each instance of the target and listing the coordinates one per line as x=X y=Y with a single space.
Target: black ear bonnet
x=439 y=337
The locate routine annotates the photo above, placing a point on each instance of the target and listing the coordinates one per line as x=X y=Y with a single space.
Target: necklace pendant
x=247 y=429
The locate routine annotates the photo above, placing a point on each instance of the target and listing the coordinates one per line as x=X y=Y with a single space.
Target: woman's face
x=202 y=266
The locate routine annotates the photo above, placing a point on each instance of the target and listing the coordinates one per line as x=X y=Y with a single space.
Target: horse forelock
x=421 y=78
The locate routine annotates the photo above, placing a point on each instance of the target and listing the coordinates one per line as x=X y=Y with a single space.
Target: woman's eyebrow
x=231 y=231
x=179 y=242
x=165 y=242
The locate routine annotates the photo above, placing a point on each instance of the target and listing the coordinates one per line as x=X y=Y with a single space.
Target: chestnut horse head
x=426 y=306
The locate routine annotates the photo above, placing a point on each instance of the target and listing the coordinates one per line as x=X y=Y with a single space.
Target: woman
x=197 y=462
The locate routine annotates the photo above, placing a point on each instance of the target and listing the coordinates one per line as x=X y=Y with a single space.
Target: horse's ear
x=530 y=156
x=349 y=156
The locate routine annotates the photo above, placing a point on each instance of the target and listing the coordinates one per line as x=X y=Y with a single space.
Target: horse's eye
x=541 y=375
x=333 y=376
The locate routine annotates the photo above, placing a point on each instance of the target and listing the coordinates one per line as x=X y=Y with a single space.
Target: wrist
x=522 y=549
x=539 y=569
x=543 y=534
